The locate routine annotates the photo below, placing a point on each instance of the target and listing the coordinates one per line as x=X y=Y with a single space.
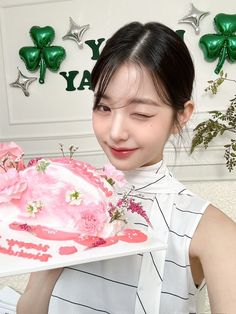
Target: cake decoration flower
x=92 y=219
x=136 y=207
x=42 y=165
x=117 y=213
x=113 y=176
x=125 y=204
x=33 y=161
x=34 y=207
x=74 y=197
x=11 y=156
x=11 y=185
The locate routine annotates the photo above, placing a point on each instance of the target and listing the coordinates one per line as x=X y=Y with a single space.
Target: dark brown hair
x=157 y=48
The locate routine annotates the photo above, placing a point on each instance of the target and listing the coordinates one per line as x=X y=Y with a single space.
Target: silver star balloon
x=23 y=82
x=193 y=18
x=76 y=32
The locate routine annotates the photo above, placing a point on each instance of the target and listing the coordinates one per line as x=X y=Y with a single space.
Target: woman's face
x=131 y=123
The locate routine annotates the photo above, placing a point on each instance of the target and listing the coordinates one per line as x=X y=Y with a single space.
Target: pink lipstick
x=121 y=152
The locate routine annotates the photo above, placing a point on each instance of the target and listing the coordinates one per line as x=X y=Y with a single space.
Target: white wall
x=51 y=114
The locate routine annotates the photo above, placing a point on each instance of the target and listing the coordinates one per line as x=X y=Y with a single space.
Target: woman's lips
x=122 y=153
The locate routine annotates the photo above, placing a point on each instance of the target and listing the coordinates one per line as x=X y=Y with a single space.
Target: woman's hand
x=36 y=297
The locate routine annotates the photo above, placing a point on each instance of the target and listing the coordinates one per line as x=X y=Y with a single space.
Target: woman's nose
x=118 y=127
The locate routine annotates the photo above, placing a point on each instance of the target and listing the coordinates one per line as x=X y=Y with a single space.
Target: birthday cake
x=58 y=207
x=64 y=194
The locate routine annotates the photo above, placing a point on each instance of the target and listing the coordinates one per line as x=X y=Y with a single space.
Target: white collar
x=153 y=179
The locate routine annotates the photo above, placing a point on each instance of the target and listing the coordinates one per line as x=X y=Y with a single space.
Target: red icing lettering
x=9 y=251
x=28 y=245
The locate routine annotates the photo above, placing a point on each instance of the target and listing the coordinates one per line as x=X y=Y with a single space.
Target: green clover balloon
x=42 y=55
x=223 y=44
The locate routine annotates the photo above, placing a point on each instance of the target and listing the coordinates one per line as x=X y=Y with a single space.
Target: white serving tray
x=14 y=265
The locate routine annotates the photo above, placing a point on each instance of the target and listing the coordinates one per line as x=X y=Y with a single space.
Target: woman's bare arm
x=214 y=243
x=35 y=299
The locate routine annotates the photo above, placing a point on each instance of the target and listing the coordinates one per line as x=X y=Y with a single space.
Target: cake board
x=22 y=252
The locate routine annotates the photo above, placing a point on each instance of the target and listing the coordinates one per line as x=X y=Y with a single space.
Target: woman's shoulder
x=215 y=234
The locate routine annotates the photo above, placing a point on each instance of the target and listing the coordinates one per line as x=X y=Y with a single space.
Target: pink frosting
x=85 y=170
x=49 y=190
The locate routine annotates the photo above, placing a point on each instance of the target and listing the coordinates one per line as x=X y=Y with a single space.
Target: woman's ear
x=183 y=116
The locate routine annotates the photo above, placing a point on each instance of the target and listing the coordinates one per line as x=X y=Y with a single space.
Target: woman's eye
x=142 y=115
x=103 y=108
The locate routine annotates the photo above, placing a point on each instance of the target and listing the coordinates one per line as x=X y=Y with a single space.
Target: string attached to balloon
x=194 y=17
x=42 y=55
x=223 y=44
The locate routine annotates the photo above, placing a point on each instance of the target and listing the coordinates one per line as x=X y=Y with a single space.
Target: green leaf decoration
x=42 y=55
x=223 y=44
x=219 y=123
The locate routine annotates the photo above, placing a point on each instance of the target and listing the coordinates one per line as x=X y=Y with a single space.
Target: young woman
x=142 y=84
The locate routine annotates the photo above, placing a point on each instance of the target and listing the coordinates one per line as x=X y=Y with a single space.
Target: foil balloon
x=193 y=18
x=42 y=55
x=23 y=82
x=76 y=32
x=223 y=44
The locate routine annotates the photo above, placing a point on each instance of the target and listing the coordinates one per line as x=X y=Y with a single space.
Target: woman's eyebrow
x=146 y=101
x=136 y=100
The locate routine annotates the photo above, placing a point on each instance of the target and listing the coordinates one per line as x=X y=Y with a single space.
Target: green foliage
x=217 y=125
x=213 y=87
x=230 y=155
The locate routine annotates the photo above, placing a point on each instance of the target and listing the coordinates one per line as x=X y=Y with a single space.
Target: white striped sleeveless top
x=151 y=283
